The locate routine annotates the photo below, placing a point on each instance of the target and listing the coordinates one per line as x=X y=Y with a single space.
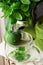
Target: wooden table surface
x=4 y=61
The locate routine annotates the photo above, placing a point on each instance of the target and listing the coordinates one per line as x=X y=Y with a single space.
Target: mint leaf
x=24 y=8
x=19 y=54
x=15 y=5
x=29 y=21
x=25 y=1
x=13 y=21
x=18 y=16
x=8 y=26
x=21 y=48
x=1 y=5
x=27 y=14
x=27 y=56
x=10 y=9
x=7 y=1
x=8 y=12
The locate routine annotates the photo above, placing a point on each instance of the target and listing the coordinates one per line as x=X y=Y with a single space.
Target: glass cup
x=26 y=41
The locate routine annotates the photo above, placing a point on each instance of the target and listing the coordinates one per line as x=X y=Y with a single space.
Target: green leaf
x=20 y=49
x=27 y=56
x=24 y=8
x=29 y=21
x=15 y=5
x=19 y=54
x=5 y=8
x=7 y=1
x=8 y=12
x=18 y=16
x=19 y=57
x=27 y=14
x=13 y=21
x=8 y=25
x=25 y=1
x=1 y=5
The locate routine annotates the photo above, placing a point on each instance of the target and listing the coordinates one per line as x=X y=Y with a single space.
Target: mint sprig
x=20 y=54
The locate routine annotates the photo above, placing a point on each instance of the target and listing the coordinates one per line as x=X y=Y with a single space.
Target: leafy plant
x=17 y=10
x=20 y=54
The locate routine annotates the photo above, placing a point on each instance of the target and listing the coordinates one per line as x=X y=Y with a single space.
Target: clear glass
x=26 y=42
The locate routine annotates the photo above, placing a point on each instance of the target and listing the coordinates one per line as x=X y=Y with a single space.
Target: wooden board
x=4 y=61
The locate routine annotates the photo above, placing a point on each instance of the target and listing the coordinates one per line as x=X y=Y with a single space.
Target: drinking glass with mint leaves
x=19 y=53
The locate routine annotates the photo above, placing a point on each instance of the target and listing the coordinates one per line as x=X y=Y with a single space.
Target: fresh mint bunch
x=20 y=54
x=17 y=9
